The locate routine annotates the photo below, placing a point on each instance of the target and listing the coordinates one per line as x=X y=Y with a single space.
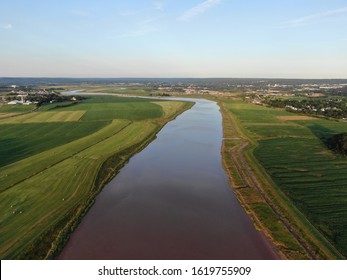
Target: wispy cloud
x=304 y=20
x=198 y=9
x=158 y=5
x=7 y=26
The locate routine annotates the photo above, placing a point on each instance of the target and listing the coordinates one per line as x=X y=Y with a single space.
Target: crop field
x=42 y=117
x=249 y=113
x=13 y=110
x=23 y=140
x=295 y=118
x=293 y=152
x=48 y=107
x=277 y=130
x=169 y=108
x=5 y=108
x=6 y=115
x=56 y=169
x=104 y=108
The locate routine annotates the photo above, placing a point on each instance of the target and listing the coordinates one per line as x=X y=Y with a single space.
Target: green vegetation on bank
x=299 y=180
x=57 y=168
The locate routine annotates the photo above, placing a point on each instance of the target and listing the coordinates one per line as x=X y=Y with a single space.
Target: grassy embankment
x=287 y=179
x=57 y=168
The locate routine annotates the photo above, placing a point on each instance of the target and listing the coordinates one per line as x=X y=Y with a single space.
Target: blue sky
x=170 y=38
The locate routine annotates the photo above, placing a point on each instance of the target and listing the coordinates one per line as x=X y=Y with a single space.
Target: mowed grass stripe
x=68 y=116
x=49 y=195
x=280 y=130
x=249 y=113
x=42 y=117
x=5 y=115
x=21 y=170
x=18 y=141
x=111 y=107
x=5 y=108
x=41 y=199
x=169 y=108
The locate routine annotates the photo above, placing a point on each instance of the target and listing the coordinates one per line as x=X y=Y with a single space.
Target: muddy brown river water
x=171 y=201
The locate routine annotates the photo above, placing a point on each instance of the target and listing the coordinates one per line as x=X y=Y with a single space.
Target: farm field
x=22 y=140
x=45 y=117
x=105 y=108
x=4 y=108
x=307 y=175
x=13 y=110
x=57 y=168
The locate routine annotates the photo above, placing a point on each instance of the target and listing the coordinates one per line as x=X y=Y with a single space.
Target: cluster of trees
x=51 y=97
x=337 y=92
x=160 y=94
x=338 y=143
x=332 y=108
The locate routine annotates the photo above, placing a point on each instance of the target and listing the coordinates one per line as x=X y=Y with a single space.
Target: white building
x=14 y=102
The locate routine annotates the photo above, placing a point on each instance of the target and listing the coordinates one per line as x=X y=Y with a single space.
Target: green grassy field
x=105 y=108
x=5 y=108
x=56 y=169
x=48 y=107
x=42 y=117
x=13 y=110
x=23 y=140
x=312 y=178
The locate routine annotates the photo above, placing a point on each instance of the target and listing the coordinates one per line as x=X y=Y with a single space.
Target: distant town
x=325 y=98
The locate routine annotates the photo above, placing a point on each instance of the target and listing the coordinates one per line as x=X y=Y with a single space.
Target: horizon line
x=265 y=78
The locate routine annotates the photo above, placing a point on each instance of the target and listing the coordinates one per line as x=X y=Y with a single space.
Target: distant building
x=14 y=102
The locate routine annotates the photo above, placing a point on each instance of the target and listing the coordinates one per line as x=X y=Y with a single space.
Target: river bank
x=109 y=169
x=171 y=201
x=271 y=210
x=44 y=194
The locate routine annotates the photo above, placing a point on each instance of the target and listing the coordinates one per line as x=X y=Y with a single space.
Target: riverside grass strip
x=169 y=108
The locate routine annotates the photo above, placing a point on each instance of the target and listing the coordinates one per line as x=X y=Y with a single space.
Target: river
x=171 y=201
